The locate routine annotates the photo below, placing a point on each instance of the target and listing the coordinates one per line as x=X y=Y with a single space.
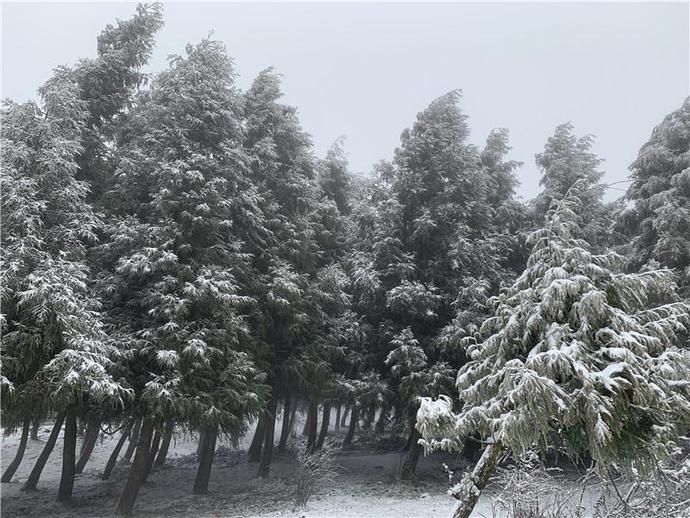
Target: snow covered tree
x=660 y=191
x=54 y=349
x=176 y=263
x=440 y=219
x=577 y=355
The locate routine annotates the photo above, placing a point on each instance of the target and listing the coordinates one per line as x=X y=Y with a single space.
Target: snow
x=365 y=486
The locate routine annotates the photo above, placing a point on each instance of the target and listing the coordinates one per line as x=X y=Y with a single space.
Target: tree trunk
x=480 y=477
x=410 y=438
x=380 y=427
x=293 y=414
x=255 y=448
x=125 y=504
x=165 y=444
x=337 y=418
x=92 y=430
x=116 y=452
x=208 y=450
x=285 y=429
x=35 y=424
x=133 y=441
x=325 y=423
x=307 y=423
x=343 y=420
x=267 y=451
x=410 y=464
x=12 y=467
x=354 y=417
x=312 y=419
x=32 y=481
x=153 y=450
x=69 y=454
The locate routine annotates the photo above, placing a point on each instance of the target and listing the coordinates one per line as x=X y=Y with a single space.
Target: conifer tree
x=576 y=355
x=659 y=219
x=54 y=349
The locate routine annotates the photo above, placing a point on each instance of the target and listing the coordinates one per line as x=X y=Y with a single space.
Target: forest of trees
x=176 y=259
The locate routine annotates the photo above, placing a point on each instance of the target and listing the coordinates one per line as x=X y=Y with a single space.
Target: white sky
x=364 y=69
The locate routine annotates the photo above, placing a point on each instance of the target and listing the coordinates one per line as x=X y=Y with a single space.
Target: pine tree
x=576 y=355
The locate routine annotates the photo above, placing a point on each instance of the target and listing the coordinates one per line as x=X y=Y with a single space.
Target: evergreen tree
x=576 y=355
x=176 y=265
x=660 y=192
x=54 y=349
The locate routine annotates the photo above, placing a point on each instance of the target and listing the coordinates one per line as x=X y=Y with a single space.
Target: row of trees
x=175 y=259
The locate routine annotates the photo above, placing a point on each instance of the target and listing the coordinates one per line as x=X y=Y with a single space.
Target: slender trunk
x=480 y=477
x=285 y=429
x=135 y=479
x=410 y=464
x=32 y=481
x=323 y=432
x=153 y=450
x=133 y=441
x=293 y=414
x=307 y=423
x=208 y=450
x=312 y=419
x=337 y=418
x=267 y=452
x=354 y=417
x=69 y=454
x=343 y=420
x=92 y=430
x=35 y=425
x=381 y=422
x=410 y=438
x=255 y=448
x=165 y=444
x=116 y=452
x=12 y=468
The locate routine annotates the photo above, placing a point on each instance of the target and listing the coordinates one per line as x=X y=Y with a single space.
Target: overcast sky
x=364 y=70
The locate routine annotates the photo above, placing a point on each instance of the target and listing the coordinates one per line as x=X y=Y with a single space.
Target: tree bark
x=12 y=467
x=325 y=423
x=285 y=428
x=165 y=444
x=93 y=429
x=293 y=414
x=35 y=424
x=255 y=448
x=380 y=427
x=354 y=417
x=69 y=454
x=151 y=457
x=208 y=450
x=35 y=474
x=480 y=477
x=125 y=504
x=410 y=464
x=112 y=460
x=267 y=451
x=343 y=420
x=307 y=423
x=337 y=418
x=133 y=441
x=410 y=438
x=312 y=432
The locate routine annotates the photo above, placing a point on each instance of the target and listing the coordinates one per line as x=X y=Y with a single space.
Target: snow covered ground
x=366 y=486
